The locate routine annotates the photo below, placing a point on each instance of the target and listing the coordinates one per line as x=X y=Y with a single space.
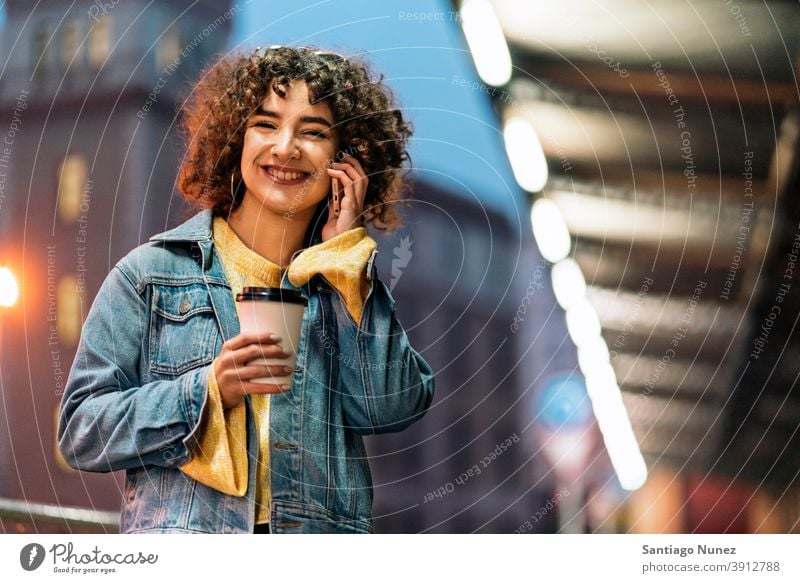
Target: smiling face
x=288 y=144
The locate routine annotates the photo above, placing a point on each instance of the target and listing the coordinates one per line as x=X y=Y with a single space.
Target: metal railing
x=66 y=517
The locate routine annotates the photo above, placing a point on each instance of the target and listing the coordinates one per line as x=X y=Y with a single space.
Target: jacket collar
x=199 y=228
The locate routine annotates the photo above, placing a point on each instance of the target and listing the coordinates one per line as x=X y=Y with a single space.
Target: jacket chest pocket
x=183 y=328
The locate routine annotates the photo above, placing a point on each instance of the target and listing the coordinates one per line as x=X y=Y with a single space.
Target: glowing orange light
x=9 y=290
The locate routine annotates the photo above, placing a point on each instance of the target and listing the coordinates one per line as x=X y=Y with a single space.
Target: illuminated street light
x=593 y=358
x=550 y=230
x=620 y=442
x=525 y=153
x=486 y=41
x=583 y=324
x=9 y=290
x=568 y=283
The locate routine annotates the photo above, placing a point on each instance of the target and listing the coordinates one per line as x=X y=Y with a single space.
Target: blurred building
x=89 y=92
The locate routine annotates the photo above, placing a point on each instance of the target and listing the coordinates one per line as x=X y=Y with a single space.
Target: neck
x=272 y=236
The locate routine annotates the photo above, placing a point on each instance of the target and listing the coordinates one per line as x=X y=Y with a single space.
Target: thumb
x=329 y=228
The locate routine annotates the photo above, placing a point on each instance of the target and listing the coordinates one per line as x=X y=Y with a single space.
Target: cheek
x=322 y=158
x=322 y=151
x=250 y=148
x=322 y=184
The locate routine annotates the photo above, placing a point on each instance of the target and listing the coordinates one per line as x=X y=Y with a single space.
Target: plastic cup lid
x=271 y=294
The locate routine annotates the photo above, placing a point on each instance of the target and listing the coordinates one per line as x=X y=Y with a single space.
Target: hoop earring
x=236 y=193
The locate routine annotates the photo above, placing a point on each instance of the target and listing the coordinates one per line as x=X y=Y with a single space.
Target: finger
x=356 y=183
x=265 y=389
x=347 y=182
x=257 y=371
x=349 y=199
x=353 y=201
x=255 y=351
x=344 y=177
x=350 y=170
x=244 y=339
x=356 y=163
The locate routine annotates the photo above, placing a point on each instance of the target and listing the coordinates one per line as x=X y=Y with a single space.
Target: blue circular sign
x=562 y=402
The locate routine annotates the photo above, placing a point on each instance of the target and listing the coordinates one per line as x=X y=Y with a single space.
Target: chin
x=279 y=198
x=286 y=204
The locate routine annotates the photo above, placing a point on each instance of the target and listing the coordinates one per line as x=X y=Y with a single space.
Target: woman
x=290 y=151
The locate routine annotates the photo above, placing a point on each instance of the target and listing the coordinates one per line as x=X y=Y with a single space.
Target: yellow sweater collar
x=242 y=258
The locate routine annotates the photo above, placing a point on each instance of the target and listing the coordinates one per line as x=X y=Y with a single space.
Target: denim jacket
x=137 y=389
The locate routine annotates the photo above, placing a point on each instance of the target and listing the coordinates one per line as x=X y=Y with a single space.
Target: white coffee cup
x=277 y=310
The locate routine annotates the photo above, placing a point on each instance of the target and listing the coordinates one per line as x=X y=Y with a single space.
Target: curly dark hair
x=230 y=90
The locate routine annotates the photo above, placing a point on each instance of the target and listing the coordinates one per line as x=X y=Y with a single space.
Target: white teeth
x=280 y=175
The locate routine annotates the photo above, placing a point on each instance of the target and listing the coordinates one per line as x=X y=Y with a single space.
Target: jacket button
x=185 y=306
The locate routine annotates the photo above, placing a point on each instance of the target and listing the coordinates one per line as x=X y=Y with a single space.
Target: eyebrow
x=305 y=119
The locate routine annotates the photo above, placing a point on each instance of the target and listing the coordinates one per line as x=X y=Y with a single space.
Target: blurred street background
x=600 y=261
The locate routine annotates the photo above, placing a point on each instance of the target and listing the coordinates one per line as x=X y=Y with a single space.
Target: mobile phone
x=336 y=194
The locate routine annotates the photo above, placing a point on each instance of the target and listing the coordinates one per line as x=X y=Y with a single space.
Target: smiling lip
x=277 y=180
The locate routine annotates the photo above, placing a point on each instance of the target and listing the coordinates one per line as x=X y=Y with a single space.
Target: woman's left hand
x=352 y=181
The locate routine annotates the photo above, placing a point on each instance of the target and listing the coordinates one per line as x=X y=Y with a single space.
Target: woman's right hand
x=233 y=374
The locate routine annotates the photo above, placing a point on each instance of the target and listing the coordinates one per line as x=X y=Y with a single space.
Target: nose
x=285 y=145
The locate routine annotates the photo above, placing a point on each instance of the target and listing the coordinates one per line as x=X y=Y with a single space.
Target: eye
x=316 y=133
x=264 y=124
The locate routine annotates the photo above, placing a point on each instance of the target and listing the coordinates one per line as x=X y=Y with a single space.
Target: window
x=72 y=175
x=43 y=56
x=69 y=310
x=168 y=50
x=99 y=42
x=70 y=44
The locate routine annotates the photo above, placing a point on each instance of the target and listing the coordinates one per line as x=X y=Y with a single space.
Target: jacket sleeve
x=108 y=420
x=385 y=384
x=220 y=456
x=342 y=261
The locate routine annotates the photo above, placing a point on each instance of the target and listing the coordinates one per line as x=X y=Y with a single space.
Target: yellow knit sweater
x=220 y=457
